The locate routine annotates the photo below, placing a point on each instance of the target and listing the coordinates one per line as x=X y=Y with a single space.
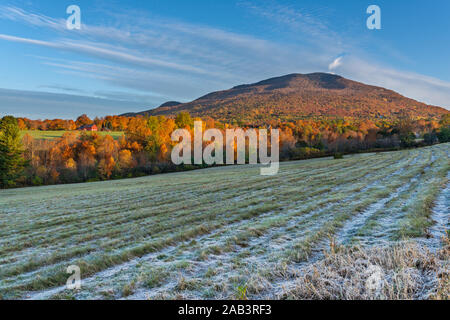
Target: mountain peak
x=298 y=96
x=298 y=81
x=169 y=104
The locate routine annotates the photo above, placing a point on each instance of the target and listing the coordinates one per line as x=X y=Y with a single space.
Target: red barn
x=89 y=127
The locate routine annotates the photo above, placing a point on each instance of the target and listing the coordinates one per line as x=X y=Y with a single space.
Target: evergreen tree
x=12 y=162
x=444 y=134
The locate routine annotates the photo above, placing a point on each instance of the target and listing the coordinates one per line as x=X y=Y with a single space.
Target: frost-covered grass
x=402 y=271
x=216 y=233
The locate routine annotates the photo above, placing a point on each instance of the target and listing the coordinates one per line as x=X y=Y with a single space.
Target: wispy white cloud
x=125 y=96
x=420 y=87
x=169 y=59
x=29 y=41
x=301 y=24
x=202 y=57
x=45 y=105
x=34 y=19
x=335 y=64
x=159 y=84
x=106 y=53
x=62 y=88
x=354 y=63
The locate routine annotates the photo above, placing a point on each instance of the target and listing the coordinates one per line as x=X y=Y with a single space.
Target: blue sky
x=135 y=55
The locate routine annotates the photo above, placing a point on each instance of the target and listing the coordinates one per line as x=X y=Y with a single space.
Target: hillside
x=297 y=96
x=163 y=106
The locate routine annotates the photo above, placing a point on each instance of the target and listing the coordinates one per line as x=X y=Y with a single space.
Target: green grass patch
x=52 y=135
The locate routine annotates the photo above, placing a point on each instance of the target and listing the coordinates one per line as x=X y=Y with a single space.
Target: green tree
x=184 y=120
x=444 y=135
x=408 y=140
x=430 y=138
x=12 y=162
x=8 y=120
x=153 y=123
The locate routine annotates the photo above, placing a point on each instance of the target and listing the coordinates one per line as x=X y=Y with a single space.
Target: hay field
x=51 y=135
x=230 y=233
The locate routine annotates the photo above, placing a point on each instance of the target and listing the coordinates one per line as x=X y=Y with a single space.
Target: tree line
x=108 y=123
x=146 y=145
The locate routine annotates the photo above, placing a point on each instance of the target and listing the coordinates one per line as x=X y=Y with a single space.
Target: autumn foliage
x=146 y=146
x=297 y=97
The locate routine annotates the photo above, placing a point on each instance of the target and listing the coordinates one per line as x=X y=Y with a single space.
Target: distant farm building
x=88 y=127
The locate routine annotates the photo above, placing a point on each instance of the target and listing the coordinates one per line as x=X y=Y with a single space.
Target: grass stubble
x=230 y=233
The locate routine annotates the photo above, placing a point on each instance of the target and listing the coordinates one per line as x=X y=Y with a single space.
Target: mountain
x=298 y=96
x=143 y=113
